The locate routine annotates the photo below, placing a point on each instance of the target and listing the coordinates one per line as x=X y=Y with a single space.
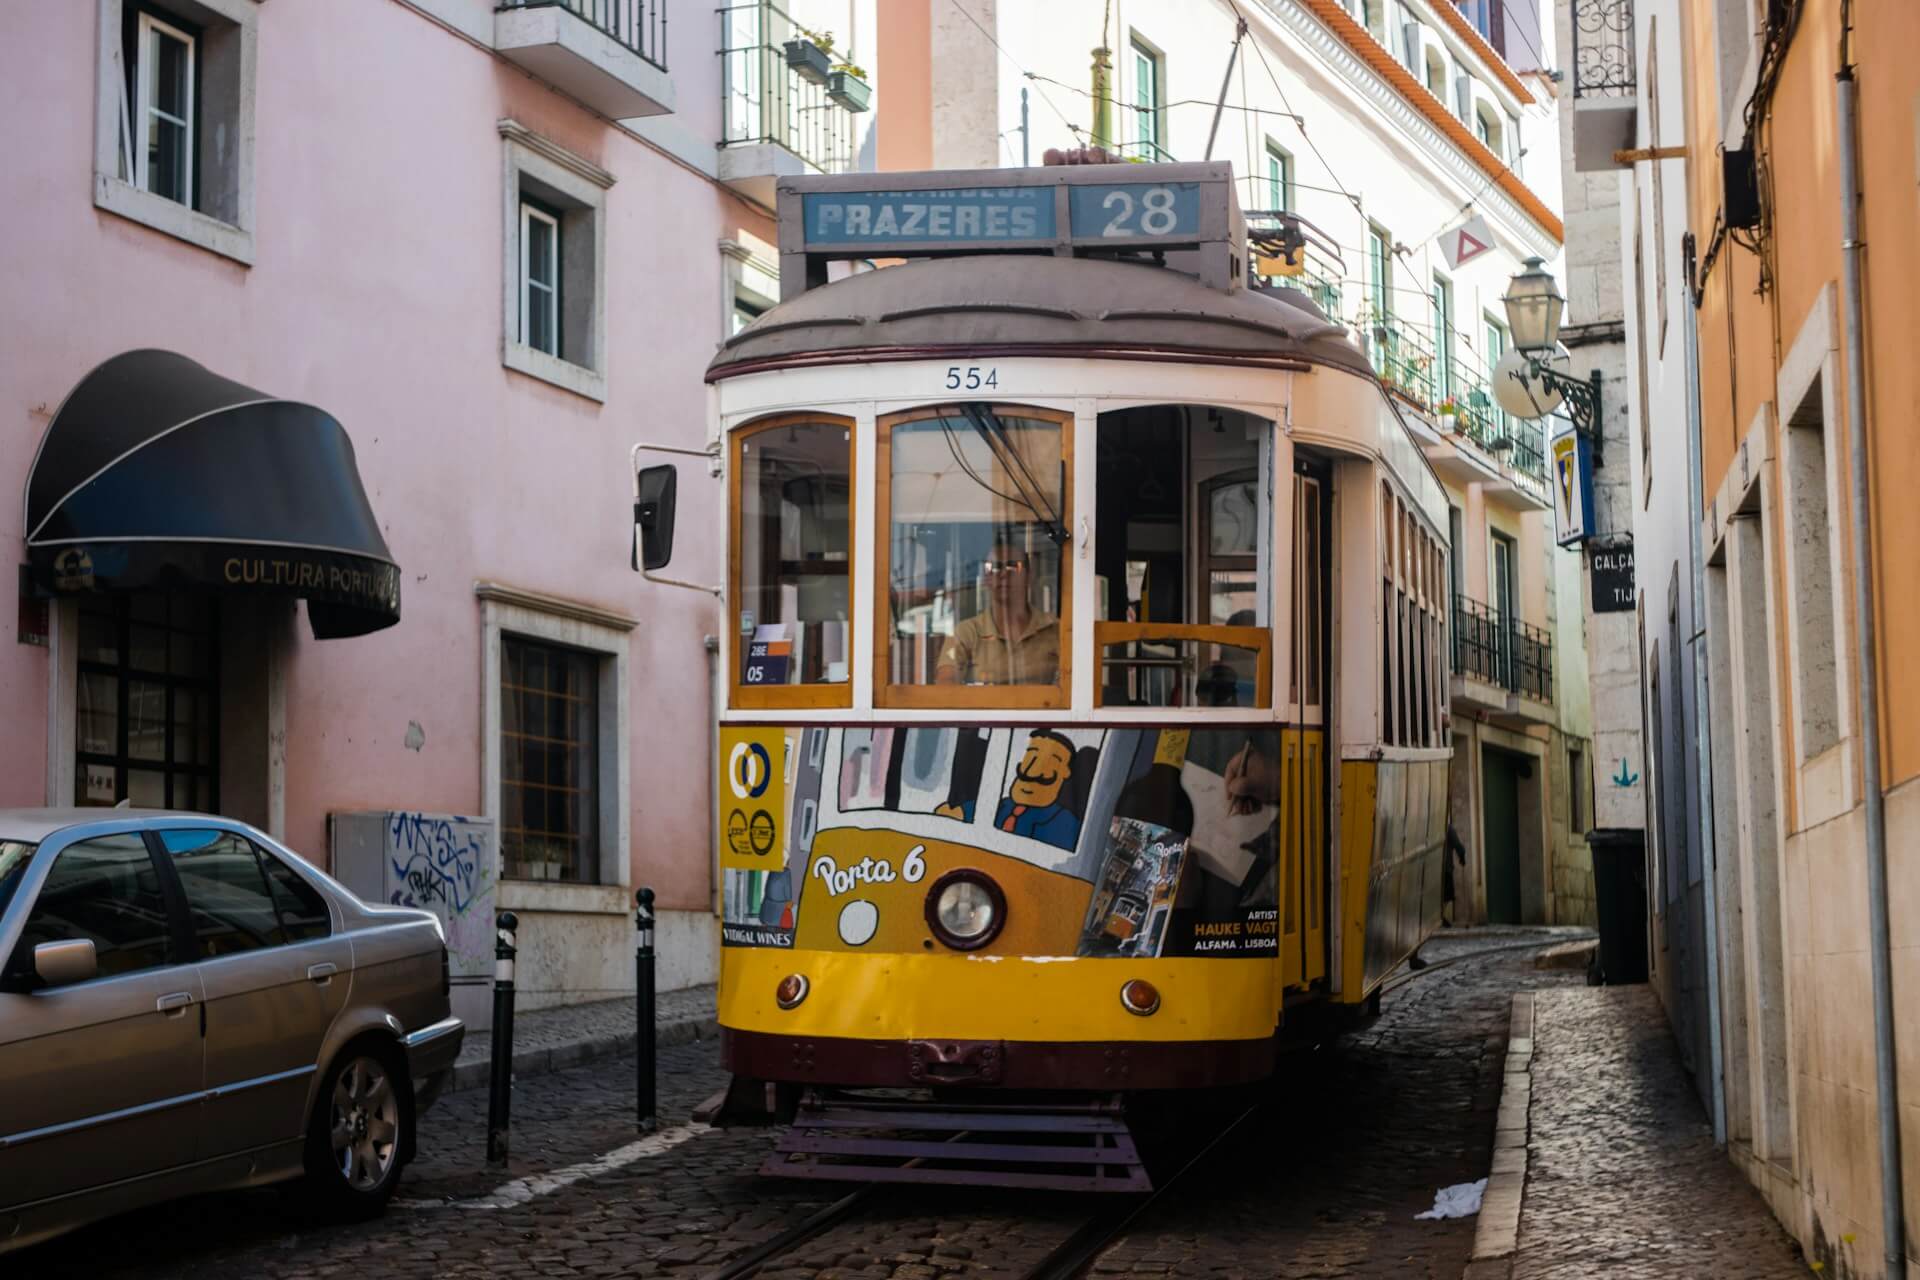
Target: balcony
x=1501 y=666
x=609 y=54
x=1604 y=90
x=777 y=122
x=1451 y=389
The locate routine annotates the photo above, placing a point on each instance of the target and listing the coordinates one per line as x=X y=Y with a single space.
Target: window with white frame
x=1487 y=127
x=173 y=140
x=554 y=263
x=539 y=277
x=1149 y=101
x=1279 y=177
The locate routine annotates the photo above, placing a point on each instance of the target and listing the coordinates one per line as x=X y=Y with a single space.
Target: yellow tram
x=1084 y=717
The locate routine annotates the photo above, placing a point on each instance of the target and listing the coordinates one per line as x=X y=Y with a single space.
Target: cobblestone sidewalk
x=554 y=1039
x=1622 y=1174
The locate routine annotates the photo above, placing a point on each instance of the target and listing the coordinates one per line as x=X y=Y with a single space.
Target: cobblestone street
x=1326 y=1181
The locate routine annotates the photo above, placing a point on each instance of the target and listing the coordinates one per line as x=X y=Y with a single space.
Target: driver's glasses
x=1005 y=566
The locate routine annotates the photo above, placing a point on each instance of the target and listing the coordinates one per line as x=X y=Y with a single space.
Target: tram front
x=1029 y=655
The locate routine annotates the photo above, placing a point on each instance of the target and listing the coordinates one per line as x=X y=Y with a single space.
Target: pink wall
x=376 y=293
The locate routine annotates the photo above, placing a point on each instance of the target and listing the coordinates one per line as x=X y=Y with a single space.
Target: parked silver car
x=187 y=1006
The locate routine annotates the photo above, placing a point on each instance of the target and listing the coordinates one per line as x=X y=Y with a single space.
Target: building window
x=1818 y=625
x=555 y=256
x=173 y=140
x=1487 y=128
x=146 y=702
x=549 y=766
x=1437 y=74
x=1279 y=178
x=539 y=278
x=1442 y=336
x=162 y=66
x=1380 y=270
x=1149 y=75
x=555 y=735
x=745 y=312
x=1496 y=335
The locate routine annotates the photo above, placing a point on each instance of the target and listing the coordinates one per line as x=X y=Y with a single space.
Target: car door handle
x=172 y=1003
x=321 y=974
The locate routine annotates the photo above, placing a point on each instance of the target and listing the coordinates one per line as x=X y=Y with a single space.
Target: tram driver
x=1010 y=641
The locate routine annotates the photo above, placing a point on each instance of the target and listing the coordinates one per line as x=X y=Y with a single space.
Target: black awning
x=156 y=474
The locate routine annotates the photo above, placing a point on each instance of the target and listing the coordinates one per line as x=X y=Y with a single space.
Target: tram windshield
x=975 y=577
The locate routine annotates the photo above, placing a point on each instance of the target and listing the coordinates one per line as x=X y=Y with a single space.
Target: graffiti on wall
x=445 y=864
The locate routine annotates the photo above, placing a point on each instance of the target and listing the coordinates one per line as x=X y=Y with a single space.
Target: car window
x=228 y=898
x=303 y=912
x=14 y=857
x=106 y=889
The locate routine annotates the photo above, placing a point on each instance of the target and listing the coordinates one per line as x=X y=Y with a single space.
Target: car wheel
x=361 y=1132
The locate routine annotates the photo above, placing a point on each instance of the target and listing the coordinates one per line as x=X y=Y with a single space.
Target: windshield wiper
x=994 y=433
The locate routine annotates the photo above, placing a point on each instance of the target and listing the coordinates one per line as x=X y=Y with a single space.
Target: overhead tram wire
x=1298 y=119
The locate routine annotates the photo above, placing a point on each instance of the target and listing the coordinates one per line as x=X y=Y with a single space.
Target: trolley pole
x=500 y=1077
x=644 y=1095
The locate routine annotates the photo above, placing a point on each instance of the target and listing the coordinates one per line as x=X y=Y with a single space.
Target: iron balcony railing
x=764 y=100
x=1603 y=48
x=1501 y=650
x=1451 y=385
x=640 y=25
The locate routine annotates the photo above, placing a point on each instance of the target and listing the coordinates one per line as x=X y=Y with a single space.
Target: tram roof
x=1036 y=304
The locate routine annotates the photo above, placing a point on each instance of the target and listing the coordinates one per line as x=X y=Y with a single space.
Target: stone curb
x=559 y=1057
x=1568 y=955
x=1496 y=1235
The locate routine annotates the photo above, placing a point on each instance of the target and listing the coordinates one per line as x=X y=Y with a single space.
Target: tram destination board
x=1184 y=209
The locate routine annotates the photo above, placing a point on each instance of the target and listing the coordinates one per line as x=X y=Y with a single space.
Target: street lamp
x=1534 y=305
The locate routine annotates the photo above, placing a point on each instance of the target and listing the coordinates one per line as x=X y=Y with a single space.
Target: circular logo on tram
x=749 y=770
x=737 y=832
x=760 y=832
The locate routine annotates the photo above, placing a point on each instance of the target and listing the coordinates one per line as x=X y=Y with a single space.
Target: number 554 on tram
x=1083 y=704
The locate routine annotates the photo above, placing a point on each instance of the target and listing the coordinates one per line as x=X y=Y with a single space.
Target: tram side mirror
x=653 y=517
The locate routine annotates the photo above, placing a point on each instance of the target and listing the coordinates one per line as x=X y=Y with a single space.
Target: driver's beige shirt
x=983 y=655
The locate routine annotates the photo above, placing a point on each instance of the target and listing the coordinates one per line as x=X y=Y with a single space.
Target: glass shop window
x=1182 y=558
x=974 y=572
x=790 y=567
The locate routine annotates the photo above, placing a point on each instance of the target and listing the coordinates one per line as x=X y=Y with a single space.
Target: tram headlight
x=966 y=909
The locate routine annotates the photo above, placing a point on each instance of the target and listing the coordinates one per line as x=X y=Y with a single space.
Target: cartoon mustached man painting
x=1036 y=804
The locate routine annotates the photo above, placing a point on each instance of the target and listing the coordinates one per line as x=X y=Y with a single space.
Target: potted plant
x=848 y=86
x=810 y=56
x=1448 y=411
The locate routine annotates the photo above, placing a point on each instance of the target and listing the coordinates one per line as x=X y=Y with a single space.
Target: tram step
x=848 y=1137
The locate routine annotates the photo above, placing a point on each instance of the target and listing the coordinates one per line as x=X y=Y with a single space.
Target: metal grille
x=765 y=100
x=1602 y=48
x=640 y=25
x=549 y=762
x=1502 y=651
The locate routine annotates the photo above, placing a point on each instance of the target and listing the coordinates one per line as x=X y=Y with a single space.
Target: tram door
x=1303 y=907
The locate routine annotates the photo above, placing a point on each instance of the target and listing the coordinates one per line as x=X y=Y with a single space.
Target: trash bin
x=1620 y=901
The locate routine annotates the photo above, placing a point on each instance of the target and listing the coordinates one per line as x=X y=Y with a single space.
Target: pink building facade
x=496 y=245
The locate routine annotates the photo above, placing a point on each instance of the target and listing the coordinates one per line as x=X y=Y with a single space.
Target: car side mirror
x=62 y=963
x=653 y=506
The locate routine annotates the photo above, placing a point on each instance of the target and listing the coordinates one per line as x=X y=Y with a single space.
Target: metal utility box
x=440 y=862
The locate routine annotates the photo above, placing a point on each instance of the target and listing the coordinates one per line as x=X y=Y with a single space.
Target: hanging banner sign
x=1466 y=242
x=1572 y=480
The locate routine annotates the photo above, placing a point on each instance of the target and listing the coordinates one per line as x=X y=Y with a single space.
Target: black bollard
x=644 y=1096
x=500 y=1081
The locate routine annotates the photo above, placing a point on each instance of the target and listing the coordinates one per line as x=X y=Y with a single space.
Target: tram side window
x=975 y=570
x=795 y=528
x=1412 y=600
x=1182 y=558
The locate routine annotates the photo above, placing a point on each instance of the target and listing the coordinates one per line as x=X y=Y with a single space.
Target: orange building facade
x=1736 y=249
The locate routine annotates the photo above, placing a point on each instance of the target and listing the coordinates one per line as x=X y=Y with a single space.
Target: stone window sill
x=564 y=374
x=116 y=195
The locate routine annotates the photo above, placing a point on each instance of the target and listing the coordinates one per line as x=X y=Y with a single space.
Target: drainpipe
x=1892 y=1198
x=1703 y=730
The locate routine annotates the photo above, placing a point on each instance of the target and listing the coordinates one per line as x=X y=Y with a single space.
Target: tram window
x=974 y=568
x=1182 y=558
x=790 y=570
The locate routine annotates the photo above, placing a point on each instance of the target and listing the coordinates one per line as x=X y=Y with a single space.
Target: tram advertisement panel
x=1106 y=842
